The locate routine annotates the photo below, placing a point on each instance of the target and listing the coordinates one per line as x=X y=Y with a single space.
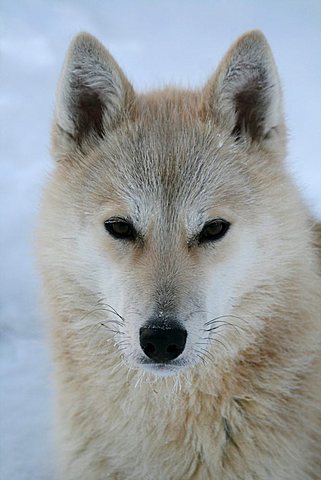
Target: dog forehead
x=171 y=161
x=169 y=158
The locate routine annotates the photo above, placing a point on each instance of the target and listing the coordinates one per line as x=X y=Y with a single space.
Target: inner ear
x=88 y=112
x=251 y=105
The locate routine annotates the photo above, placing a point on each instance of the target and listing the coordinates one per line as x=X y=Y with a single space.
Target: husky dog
x=182 y=274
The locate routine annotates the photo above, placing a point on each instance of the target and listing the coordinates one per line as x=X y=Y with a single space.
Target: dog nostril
x=149 y=348
x=162 y=345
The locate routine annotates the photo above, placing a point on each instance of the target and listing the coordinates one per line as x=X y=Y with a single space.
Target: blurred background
x=156 y=43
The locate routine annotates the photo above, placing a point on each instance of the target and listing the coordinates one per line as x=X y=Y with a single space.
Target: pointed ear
x=93 y=93
x=244 y=93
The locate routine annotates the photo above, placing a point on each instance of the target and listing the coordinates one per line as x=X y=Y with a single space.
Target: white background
x=156 y=43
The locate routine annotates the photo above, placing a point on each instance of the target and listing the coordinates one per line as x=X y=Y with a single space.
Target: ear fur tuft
x=245 y=91
x=93 y=92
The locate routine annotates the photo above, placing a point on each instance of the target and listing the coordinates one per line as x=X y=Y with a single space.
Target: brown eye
x=213 y=230
x=120 y=228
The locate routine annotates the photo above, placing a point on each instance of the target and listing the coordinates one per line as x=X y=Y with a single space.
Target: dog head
x=169 y=205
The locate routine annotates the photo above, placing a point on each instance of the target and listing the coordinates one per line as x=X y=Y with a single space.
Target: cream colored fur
x=246 y=401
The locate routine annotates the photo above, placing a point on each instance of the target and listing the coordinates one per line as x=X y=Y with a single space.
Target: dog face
x=173 y=247
x=167 y=201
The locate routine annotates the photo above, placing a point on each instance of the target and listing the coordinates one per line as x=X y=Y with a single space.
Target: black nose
x=162 y=345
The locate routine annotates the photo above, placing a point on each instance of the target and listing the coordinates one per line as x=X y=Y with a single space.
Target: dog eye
x=213 y=230
x=120 y=228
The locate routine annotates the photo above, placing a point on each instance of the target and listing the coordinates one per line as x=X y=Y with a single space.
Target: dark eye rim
x=111 y=222
x=205 y=238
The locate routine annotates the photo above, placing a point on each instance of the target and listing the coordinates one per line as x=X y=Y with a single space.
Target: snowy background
x=155 y=42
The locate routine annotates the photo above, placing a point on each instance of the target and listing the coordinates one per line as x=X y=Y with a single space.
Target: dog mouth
x=161 y=369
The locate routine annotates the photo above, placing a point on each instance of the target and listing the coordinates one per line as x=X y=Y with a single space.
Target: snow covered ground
x=155 y=42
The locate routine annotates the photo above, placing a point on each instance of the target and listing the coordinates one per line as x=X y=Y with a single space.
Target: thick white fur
x=245 y=401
